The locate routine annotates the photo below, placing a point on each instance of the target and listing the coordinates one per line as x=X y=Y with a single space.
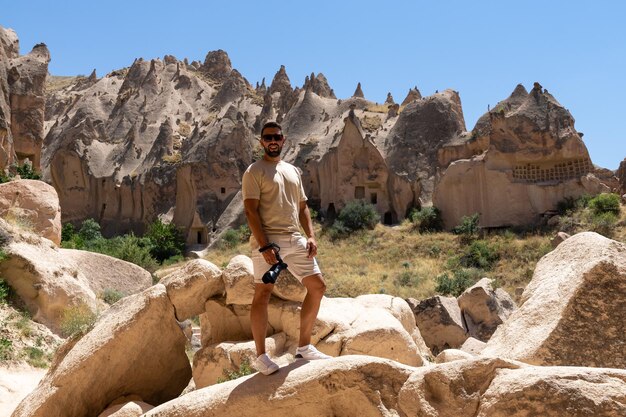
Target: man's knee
x=315 y=285
x=262 y=293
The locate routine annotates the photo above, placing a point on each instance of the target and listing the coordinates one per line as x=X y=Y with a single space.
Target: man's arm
x=304 y=215
x=251 y=208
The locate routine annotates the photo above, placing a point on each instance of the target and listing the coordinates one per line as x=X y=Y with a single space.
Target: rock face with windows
x=22 y=101
x=521 y=159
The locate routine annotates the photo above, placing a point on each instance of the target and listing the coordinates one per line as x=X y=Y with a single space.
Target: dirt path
x=15 y=383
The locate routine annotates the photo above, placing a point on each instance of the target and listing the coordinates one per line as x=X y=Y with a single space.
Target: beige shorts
x=294 y=253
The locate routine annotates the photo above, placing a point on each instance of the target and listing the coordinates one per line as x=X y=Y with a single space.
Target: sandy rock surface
x=34 y=204
x=573 y=309
x=136 y=347
x=17 y=382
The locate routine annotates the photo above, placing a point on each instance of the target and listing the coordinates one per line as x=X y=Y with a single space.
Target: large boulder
x=485 y=308
x=34 y=205
x=440 y=323
x=239 y=280
x=212 y=362
x=492 y=387
x=47 y=282
x=348 y=386
x=368 y=386
x=573 y=309
x=105 y=272
x=190 y=286
x=135 y=348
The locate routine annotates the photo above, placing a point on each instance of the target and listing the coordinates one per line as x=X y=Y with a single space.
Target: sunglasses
x=275 y=137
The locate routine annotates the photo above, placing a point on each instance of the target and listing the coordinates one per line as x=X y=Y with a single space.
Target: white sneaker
x=265 y=365
x=310 y=353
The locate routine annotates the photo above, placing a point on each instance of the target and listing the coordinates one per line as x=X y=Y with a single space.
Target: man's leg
x=315 y=288
x=258 y=315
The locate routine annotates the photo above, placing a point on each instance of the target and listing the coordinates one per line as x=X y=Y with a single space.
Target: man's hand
x=311 y=246
x=270 y=256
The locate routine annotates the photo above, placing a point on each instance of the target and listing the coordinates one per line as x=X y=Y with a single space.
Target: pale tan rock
x=440 y=323
x=368 y=326
x=221 y=322
x=44 y=279
x=347 y=386
x=473 y=346
x=528 y=146
x=572 y=309
x=449 y=389
x=485 y=308
x=33 y=205
x=211 y=362
x=558 y=239
x=555 y=391
x=288 y=287
x=135 y=347
x=129 y=409
x=105 y=272
x=190 y=286
x=451 y=355
x=239 y=280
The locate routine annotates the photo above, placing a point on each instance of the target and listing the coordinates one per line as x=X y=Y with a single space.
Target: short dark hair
x=271 y=124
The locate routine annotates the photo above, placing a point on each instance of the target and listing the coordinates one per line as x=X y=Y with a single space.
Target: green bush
x=603 y=223
x=67 y=232
x=233 y=237
x=36 y=357
x=77 y=320
x=26 y=172
x=5 y=291
x=358 y=214
x=461 y=280
x=468 y=229
x=90 y=230
x=244 y=369
x=427 y=219
x=129 y=248
x=338 y=230
x=479 y=254
x=167 y=240
x=605 y=203
x=6 y=349
x=112 y=296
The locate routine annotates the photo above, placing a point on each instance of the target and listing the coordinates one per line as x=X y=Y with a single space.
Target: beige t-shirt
x=278 y=187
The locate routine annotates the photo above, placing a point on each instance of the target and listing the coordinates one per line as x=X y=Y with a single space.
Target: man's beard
x=273 y=154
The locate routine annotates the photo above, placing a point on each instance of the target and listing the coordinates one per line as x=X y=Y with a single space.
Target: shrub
x=167 y=240
x=90 y=230
x=233 y=237
x=6 y=349
x=603 y=223
x=479 y=254
x=26 y=172
x=35 y=357
x=244 y=369
x=5 y=291
x=427 y=219
x=67 y=232
x=112 y=296
x=129 y=248
x=338 y=230
x=468 y=229
x=605 y=203
x=77 y=320
x=358 y=214
x=459 y=282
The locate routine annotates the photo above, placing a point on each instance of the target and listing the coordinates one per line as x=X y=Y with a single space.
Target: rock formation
x=33 y=204
x=440 y=322
x=572 y=309
x=412 y=95
x=365 y=386
x=485 y=308
x=621 y=175
x=521 y=159
x=22 y=101
x=135 y=348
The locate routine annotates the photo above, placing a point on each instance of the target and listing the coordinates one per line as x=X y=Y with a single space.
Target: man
x=275 y=206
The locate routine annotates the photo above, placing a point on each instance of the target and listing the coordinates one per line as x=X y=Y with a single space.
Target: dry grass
x=402 y=262
x=56 y=83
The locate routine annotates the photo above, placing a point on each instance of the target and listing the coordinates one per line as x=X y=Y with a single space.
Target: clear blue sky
x=483 y=49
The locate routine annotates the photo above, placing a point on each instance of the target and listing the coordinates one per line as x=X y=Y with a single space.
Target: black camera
x=270 y=276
